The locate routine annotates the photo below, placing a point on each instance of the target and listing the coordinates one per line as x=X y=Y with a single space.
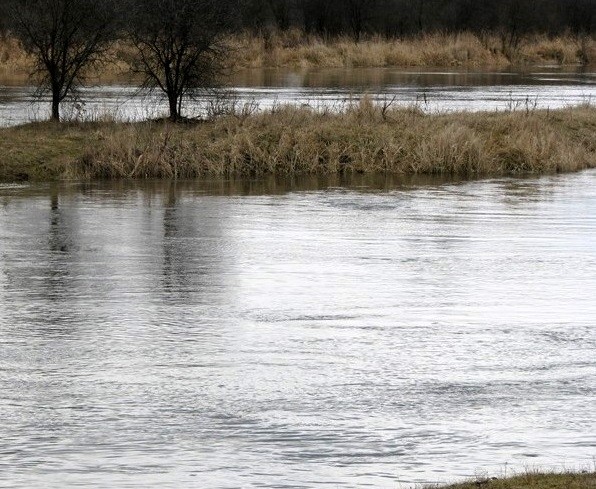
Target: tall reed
x=365 y=138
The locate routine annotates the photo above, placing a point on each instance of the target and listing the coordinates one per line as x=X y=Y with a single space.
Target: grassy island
x=364 y=138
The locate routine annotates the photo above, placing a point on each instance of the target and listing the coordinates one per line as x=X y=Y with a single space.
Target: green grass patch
x=533 y=480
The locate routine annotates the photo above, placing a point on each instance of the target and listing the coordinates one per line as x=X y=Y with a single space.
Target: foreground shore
x=364 y=138
x=533 y=480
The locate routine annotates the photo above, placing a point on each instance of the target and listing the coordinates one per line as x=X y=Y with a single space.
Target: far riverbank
x=295 y=49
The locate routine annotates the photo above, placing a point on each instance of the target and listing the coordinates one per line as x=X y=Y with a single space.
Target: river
x=319 y=333
x=430 y=90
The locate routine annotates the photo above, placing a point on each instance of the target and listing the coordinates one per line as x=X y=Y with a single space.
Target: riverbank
x=533 y=480
x=295 y=49
x=364 y=138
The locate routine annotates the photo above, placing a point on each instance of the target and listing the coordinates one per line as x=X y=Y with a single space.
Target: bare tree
x=410 y=17
x=359 y=14
x=515 y=23
x=65 y=38
x=580 y=16
x=282 y=12
x=2 y=20
x=180 y=45
x=321 y=17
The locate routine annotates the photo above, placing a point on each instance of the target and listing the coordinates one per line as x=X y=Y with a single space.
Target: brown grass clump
x=14 y=63
x=365 y=138
x=560 y=50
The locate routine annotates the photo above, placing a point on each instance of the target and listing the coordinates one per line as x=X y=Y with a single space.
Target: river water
x=432 y=91
x=319 y=333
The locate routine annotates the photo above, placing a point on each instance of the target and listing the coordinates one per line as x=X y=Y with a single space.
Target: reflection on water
x=366 y=78
x=295 y=334
x=429 y=90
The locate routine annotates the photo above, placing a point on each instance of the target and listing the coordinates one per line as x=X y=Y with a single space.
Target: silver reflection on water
x=270 y=334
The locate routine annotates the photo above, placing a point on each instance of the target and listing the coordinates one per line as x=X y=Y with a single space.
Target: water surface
x=429 y=90
x=328 y=333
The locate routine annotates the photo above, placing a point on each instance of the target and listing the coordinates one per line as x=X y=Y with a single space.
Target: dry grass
x=560 y=50
x=362 y=140
x=300 y=141
x=293 y=49
x=14 y=63
x=296 y=49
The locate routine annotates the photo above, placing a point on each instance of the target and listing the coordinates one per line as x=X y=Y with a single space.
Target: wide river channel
x=318 y=333
x=332 y=89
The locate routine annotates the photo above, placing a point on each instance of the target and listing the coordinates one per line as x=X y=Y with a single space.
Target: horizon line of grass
x=290 y=140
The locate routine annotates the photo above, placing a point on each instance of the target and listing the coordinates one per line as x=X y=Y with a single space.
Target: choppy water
x=295 y=335
x=540 y=88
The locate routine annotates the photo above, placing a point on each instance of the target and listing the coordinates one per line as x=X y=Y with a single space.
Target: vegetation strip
x=365 y=138
x=296 y=49
x=533 y=480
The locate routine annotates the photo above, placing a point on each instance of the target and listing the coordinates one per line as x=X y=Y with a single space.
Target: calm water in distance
x=327 y=333
x=430 y=90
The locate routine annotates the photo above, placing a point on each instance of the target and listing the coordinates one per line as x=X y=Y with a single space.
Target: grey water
x=296 y=334
x=431 y=91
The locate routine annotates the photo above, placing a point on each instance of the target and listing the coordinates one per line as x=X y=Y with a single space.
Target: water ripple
x=324 y=338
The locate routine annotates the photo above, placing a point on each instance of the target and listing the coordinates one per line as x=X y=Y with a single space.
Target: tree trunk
x=420 y=15
x=55 y=107
x=174 y=113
